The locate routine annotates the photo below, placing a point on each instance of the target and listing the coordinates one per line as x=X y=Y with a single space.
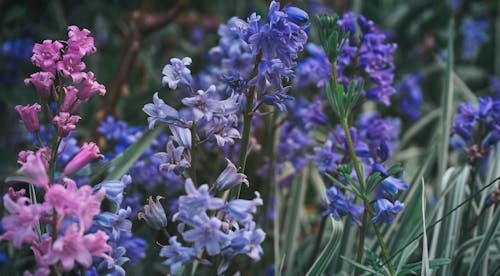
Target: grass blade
x=326 y=256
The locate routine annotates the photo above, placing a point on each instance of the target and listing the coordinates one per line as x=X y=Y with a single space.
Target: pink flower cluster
x=58 y=230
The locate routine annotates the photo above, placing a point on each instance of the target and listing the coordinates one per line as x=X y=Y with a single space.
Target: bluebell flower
x=177 y=255
x=176 y=73
x=339 y=205
x=296 y=15
x=229 y=178
x=495 y=87
x=136 y=247
x=246 y=241
x=207 y=234
x=390 y=186
x=175 y=159
x=182 y=136
x=205 y=104
x=474 y=34
x=196 y=202
x=385 y=210
x=224 y=130
x=114 y=189
x=154 y=214
x=160 y=112
x=118 y=222
x=269 y=75
x=326 y=158
x=315 y=70
x=278 y=98
x=243 y=210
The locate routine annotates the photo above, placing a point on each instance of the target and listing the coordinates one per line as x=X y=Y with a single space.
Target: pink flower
x=88 y=152
x=46 y=55
x=71 y=66
x=40 y=250
x=20 y=224
x=79 y=42
x=34 y=168
x=71 y=102
x=71 y=201
x=29 y=116
x=65 y=123
x=73 y=247
x=90 y=87
x=15 y=195
x=42 y=82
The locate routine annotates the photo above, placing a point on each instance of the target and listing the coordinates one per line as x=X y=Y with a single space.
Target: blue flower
x=160 y=112
x=315 y=70
x=390 y=186
x=175 y=159
x=177 y=255
x=114 y=189
x=243 y=210
x=411 y=96
x=182 y=136
x=246 y=241
x=196 y=202
x=278 y=99
x=205 y=104
x=229 y=178
x=118 y=222
x=207 y=234
x=154 y=214
x=176 y=73
x=339 y=205
x=385 y=210
x=326 y=157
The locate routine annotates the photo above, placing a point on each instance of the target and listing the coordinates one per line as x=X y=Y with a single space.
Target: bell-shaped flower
x=20 y=224
x=177 y=255
x=175 y=159
x=243 y=210
x=162 y=113
x=229 y=178
x=65 y=123
x=29 y=115
x=154 y=214
x=385 y=210
x=176 y=73
x=207 y=234
x=88 y=152
x=42 y=81
x=390 y=186
x=34 y=168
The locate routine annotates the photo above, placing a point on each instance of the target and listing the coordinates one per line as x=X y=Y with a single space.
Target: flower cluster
x=367 y=57
x=59 y=229
x=410 y=94
x=477 y=129
x=207 y=223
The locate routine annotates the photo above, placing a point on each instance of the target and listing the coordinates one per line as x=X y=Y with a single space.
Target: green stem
x=247 y=124
x=193 y=154
x=385 y=253
x=355 y=160
x=361 y=244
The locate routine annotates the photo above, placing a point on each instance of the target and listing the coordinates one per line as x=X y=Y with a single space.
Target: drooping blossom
x=42 y=81
x=176 y=73
x=154 y=214
x=65 y=123
x=88 y=152
x=29 y=116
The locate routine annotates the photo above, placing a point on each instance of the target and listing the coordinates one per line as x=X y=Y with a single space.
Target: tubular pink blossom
x=20 y=224
x=34 y=169
x=46 y=54
x=65 y=123
x=90 y=87
x=71 y=102
x=79 y=42
x=71 y=66
x=42 y=81
x=29 y=116
x=88 y=152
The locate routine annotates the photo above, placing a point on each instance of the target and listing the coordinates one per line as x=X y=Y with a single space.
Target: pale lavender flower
x=176 y=73
x=175 y=159
x=177 y=255
x=229 y=178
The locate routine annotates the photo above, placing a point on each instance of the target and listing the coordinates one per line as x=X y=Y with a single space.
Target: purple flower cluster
x=477 y=129
x=374 y=140
x=207 y=223
x=368 y=52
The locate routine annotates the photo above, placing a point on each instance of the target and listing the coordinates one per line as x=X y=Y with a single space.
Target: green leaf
x=122 y=163
x=326 y=256
x=372 y=182
x=433 y=264
x=364 y=267
x=485 y=244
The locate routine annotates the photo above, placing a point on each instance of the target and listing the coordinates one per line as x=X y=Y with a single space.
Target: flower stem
x=385 y=253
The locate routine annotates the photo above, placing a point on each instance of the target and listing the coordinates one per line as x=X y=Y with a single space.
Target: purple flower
x=182 y=136
x=65 y=123
x=154 y=214
x=246 y=241
x=46 y=55
x=42 y=82
x=177 y=255
x=114 y=189
x=205 y=104
x=207 y=234
x=339 y=205
x=390 y=186
x=72 y=66
x=175 y=159
x=79 y=42
x=29 y=116
x=315 y=70
x=118 y=222
x=89 y=87
x=326 y=157
x=411 y=96
x=243 y=210
x=176 y=73
x=196 y=202
x=229 y=178
x=385 y=210
x=160 y=112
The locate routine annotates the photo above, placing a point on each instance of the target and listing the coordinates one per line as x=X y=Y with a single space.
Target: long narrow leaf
x=326 y=256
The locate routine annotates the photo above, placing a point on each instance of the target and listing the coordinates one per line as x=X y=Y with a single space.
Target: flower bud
x=154 y=214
